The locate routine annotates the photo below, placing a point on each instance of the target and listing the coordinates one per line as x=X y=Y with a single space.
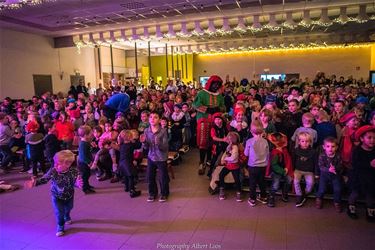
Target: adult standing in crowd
x=207 y=102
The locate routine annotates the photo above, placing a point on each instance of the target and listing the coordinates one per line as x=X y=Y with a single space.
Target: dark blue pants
x=7 y=156
x=84 y=171
x=163 y=178
x=62 y=210
x=325 y=180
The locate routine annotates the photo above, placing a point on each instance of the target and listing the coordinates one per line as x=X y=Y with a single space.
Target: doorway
x=42 y=84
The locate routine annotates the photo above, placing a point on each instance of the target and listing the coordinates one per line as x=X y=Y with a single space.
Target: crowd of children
x=296 y=133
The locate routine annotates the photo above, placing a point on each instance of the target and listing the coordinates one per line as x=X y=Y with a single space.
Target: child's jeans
x=276 y=179
x=256 y=177
x=7 y=156
x=325 y=179
x=309 y=180
x=84 y=171
x=62 y=210
x=163 y=175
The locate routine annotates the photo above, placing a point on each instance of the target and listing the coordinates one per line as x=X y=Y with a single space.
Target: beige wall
x=118 y=60
x=332 y=61
x=24 y=54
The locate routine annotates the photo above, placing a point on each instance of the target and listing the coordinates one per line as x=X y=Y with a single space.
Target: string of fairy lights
x=202 y=28
x=17 y=4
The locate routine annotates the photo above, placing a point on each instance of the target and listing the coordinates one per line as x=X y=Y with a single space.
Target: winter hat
x=278 y=139
x=362 y=99
x=32 y=126
x=347 y=117
x=362 y=130
x=70 y=100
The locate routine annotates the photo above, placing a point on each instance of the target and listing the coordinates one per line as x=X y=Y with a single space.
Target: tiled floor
x=191 y=219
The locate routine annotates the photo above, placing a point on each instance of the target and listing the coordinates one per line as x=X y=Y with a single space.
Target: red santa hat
x=363 y=130
x=32 y=126
x=213 y=78
x=347 y=117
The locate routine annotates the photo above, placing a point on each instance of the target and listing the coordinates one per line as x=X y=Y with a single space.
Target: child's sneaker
x=262 y=200
x=134 y=193
x=162 y=198
x=271 y=201
x=285 y=197
x=238 y=197
x=300 y=201
x=370 y=215
x=151 y=199
x=351 y=212
x=114 y=179
x=318 y=203
x=251 y=202
x=60 y=233
x=221 y=194
x=338 y=207
x=202 y=169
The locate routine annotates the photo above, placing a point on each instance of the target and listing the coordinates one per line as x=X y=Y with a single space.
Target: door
x=42 y=84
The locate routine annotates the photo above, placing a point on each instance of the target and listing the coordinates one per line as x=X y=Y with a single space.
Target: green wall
x=158 y=67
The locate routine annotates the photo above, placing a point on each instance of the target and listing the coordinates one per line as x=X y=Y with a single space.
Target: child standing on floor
x=144 y=123
x=187 y=125
x=257 y=150
x=85 y=157
x=304 y=160
x=35 y=147
x=178 y=121
x=329 y=171
x=51 y=143
x=218 y=134
x=363 y=173
x=347 y=141
x=232 y=165
x=239 y=125
x=64 y=178
x=127 y=141
x=155 y=140
x=280 y=167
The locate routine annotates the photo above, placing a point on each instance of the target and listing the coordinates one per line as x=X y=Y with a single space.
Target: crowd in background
x=321 y=131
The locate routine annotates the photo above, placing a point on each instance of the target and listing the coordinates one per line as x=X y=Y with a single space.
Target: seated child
x=307 y=123
x=231 y=160
x=143 y=124
x=64 y=178
x=239 y=125
x=329 y=171
x=280 y=167
x=304 y=160
x=178 y=122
